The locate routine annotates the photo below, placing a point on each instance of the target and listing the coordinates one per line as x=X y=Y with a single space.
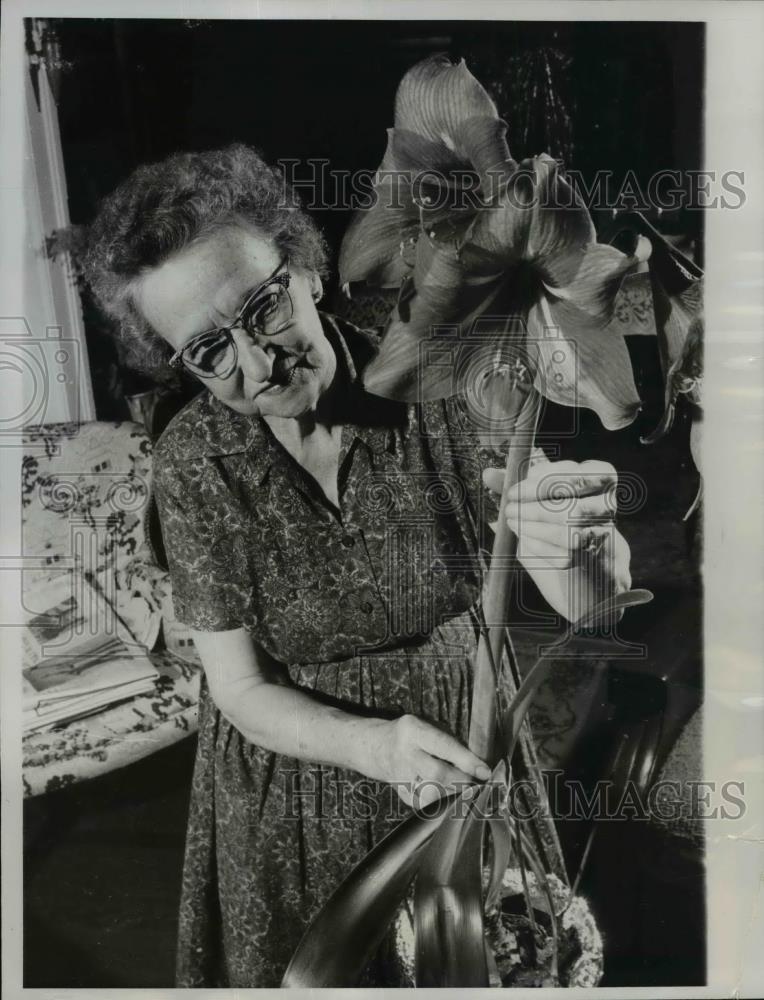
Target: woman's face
x=205 y=285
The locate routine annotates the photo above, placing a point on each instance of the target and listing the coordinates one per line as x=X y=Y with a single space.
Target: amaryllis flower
x=501 y=255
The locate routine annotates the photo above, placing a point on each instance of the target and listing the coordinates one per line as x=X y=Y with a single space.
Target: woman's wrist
x=369 y=738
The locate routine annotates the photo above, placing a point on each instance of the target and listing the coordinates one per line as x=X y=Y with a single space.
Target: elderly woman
x=322 y=546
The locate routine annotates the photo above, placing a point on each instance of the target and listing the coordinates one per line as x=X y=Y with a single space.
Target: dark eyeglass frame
x=240 y=322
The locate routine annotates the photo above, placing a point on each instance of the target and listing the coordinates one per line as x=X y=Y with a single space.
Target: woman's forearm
x=254 y=692
x=292 y=722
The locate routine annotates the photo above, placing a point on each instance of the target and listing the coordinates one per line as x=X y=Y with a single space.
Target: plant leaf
x=513 y=716
x=511 y=720
x=344 y=934
x=448 y=900
x=497 y=590
x=696 y=439
x=501 y=855
x=602 y=614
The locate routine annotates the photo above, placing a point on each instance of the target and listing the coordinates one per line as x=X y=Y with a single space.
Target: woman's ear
x=316 y=287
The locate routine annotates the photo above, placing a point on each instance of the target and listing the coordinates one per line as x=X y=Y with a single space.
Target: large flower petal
x=696 y=441
x=443 y=102
x=418 y=154
x=536 y=216
x=581 y=363
x=483 y=141
x=501 y=229
x=433 y=329
x=373 y=247
x=559 y=220
x=416 y=187
x=436 y=183
x=590 y=278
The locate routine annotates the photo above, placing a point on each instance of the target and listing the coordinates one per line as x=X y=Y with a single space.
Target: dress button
x=367 y=607
x=348 y=541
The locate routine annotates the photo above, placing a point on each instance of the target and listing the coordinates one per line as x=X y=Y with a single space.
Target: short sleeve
x=211 y=589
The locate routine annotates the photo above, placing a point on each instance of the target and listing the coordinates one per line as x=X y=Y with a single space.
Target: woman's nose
x=253 y=360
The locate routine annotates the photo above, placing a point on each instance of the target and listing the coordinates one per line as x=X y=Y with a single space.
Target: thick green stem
x=497 y=592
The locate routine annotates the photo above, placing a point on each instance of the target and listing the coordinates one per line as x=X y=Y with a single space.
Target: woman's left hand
x=563 y=514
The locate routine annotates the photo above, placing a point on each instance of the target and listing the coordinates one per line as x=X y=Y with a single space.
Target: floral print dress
x=368 y=606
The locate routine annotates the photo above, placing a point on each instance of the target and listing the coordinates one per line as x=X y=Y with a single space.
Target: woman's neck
x=298 y=434
x=314 y=442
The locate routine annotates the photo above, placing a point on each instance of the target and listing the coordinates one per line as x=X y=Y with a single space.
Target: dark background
x=102 y=862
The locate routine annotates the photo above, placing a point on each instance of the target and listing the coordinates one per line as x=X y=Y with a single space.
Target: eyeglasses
x=213 y=354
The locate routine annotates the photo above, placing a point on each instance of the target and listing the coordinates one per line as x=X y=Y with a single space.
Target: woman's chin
x=247 y=407
x=279 y=401
x=287 y=403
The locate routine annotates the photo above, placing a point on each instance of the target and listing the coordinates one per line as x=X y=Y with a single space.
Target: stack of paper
x=79 y=657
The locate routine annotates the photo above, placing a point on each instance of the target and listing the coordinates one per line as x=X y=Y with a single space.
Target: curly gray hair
x=163 y=207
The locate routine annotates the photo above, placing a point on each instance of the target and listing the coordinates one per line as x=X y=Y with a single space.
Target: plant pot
x=523 y=950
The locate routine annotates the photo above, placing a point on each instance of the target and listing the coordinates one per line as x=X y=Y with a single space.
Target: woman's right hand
x=422 y=762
